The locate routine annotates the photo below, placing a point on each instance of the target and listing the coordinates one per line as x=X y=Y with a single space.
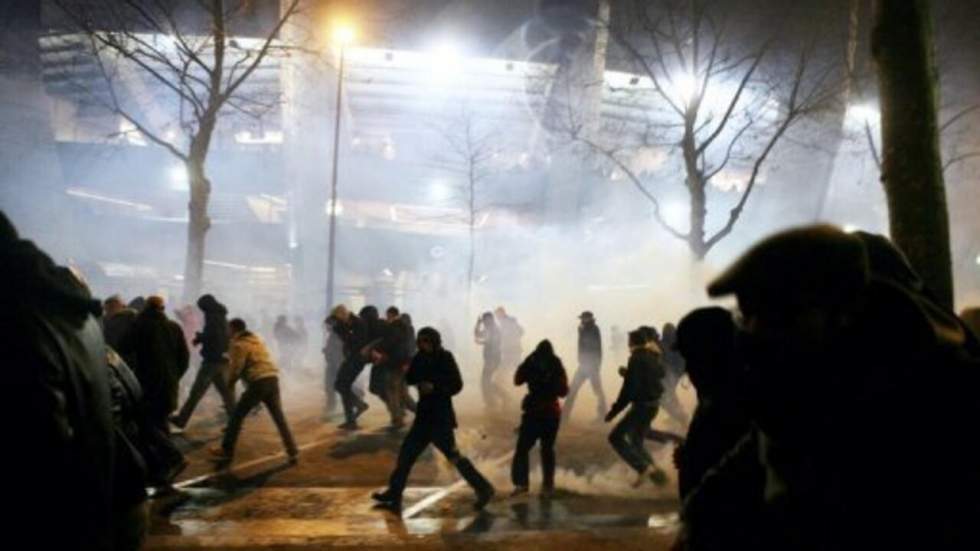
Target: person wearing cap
x=589 y=366
x=641 y=392
x=835 y=349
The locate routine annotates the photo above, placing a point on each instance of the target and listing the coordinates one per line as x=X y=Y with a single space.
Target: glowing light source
x=863 y=113
x=445 y=60
x=686 y=87
x=344 y=35
x=675 y=214
x=178 y=178
x=338 y=211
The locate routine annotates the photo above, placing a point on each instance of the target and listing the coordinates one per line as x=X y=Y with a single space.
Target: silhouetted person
x=117 y=321
x=641 y=391
x=250 y=360
x=161 y=357
x=301 y=341
x=333 y=356
x=60 y=458
x=511 y=333
x=285 y=343
x=487 y=335
x=129 y=477
x=354 y=334
x=137 y=304
x=837 y=345
x=435 y=373
x=391 y=364
x=214 y=360
x=546 y=381
x=589 y=365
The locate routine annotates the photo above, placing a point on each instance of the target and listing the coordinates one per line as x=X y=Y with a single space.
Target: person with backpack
x=546 y=381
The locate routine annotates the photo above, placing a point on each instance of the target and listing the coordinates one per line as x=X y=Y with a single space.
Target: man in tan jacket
x=250 y=360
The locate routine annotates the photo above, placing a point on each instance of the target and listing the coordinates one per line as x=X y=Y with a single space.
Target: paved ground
x=261 y=502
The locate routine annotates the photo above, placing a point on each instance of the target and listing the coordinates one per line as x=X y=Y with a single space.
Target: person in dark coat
x=589 y=365
x=60 y=463
x=285 y=343
x=641 y=392
x=487 y=335
x=546 y=381
x=674 y=369
x=333 y=356
x=435 y=373
x=214 y=360
x=836 y=343
x=117 y=321
x=160 y=359
x=390 y=361
x=354 y=333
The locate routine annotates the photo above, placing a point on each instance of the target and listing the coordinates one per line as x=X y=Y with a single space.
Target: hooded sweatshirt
x=214 y=338
x=643 y=382
x=250 y=359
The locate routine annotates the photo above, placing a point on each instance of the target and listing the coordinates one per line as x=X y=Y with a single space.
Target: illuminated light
x=274 y=199
x=387 y=272
x=344 y=35
x=850 y=228
x=686 y=86
x=445 y=61
x=336 y=211
x=439 y=191
x=82 y=194
x=863 y=113
x=675 y=214
x=178 y=178
x=978 y=260
x=270 y=137
x=229 y=265
x=263 y=269
x=388 y=151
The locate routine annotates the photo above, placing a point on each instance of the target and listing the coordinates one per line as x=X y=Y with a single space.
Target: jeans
x=443 y=438
x=210 y=373
x=266 y=391
x=592 y=374
x=532 y=430
x=627 y=436
x=346 y=375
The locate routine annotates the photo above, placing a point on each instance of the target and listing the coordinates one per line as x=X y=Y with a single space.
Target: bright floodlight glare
x=344 y=35
x=863 y=113
x=445 y=59
x=178 y=178
x=686 y=86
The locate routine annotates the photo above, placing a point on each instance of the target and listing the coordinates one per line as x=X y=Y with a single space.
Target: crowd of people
x=834 y=405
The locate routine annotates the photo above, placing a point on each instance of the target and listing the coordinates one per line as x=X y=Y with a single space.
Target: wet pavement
x=262 y=502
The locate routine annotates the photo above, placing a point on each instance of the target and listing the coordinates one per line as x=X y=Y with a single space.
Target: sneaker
x=176 y=422
x=483 y=497
x=292 y=458
x=175 y=429
x=385 y=496
x=658 y=476
x=349 y=425
x=519 y=491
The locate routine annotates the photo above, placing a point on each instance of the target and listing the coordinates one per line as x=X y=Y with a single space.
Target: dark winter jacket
x=546 y=381
x=488 y=335
x=589 y=345
x=56 y=401
x=161 y=358
x=395 y=344
x=214 y=338
x=130 y=472
x=438 y=368
x=643 y=382
x=353 y=334
x=117 y=326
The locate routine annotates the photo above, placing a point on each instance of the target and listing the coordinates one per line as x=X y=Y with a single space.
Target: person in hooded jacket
x=487 y=335
x=57 y=395
x=435 y=373
x=641 y=392
x=250 y=360
x=214 y=360
x=546 y=381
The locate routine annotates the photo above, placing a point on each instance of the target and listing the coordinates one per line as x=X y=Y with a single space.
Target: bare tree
x=717 y=102
x=199 y=69
x=471 y=150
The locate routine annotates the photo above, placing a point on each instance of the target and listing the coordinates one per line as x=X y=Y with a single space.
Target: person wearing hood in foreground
x=214 y=360
x=546 y=381
x=251 y=361
x=435 y=373
x=841 y=341
x=57 y=395
x=641 y=392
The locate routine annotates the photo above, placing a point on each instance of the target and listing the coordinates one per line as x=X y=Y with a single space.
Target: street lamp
x=343 y=36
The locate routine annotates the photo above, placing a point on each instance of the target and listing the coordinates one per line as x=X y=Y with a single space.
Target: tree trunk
x=696 y=190
x=911 y=168
x=197 y=226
